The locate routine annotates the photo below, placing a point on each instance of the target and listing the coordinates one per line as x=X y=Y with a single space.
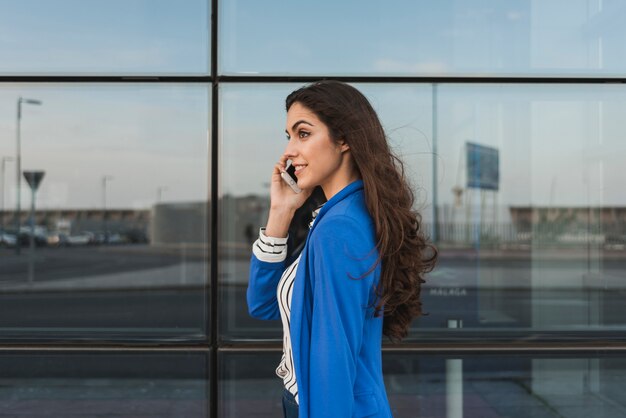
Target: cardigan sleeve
x=342 y=254
x=261 y=293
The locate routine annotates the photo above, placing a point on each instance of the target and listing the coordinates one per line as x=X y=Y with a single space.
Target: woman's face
x=318 y=160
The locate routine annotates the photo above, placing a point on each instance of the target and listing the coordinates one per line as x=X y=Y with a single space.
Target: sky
x=559 y=144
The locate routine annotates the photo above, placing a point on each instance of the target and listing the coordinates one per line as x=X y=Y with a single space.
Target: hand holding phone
x=290 y=178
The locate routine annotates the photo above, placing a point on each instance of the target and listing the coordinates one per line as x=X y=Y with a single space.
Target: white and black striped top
x=271 y=249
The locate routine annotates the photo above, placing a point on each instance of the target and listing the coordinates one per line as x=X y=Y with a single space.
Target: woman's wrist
x=278 y=222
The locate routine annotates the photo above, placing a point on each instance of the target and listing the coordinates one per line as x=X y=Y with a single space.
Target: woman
x=360 y=271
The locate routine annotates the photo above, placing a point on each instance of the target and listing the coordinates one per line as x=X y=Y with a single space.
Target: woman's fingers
x=278 y=168
x=281 y=192
x=283 y=161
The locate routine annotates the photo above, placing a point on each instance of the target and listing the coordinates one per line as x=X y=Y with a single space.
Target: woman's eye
x=301 y=135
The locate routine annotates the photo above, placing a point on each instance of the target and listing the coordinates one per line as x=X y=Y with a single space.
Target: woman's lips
x=299 y=170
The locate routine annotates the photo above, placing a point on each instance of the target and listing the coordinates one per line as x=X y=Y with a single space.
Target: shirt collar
x=314 y=214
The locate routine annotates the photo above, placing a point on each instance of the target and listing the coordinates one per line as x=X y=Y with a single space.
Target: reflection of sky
x=403 y=37
x=113 y=36
x=558 y=144
x=253 y=126
x=411 y=37
x=146 y=136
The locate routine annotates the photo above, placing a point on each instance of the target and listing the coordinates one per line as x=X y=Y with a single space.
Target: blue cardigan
x=336 y=341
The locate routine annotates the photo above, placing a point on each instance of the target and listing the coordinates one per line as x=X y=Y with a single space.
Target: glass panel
x=408 y=37
x=119 y=249
x=63 y=37
x=253 y=119
x=97 y=384
x=531 y=220
x=251 y=122
x=418 y=384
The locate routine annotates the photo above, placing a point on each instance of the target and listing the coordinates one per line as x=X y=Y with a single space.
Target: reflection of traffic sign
x=33 y=178
x=483 y=171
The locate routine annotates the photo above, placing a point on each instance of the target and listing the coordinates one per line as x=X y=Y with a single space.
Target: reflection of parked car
x=615 y=241
x=136 y=236
x=75 y=240
x=80 y=239
x=95 y=237
x=40 y=236
x=61 y=239
x=7 y=240
x=115 y=238
x=54 y=239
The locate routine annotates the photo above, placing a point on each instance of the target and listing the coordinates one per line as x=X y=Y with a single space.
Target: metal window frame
x=215 y=345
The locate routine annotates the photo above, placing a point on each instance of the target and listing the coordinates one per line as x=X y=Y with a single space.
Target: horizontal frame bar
x=104 y=348
x=261 y=346
x=475 y=348
x=305 y=79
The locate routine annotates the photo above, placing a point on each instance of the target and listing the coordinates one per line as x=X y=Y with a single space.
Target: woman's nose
x=291 y=149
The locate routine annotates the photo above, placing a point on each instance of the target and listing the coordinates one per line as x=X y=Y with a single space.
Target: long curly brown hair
x=404 y=251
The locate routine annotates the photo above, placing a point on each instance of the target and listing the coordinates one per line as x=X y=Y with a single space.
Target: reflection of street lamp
x=4 y=161
x=160 y=191
x=104 y=206
x=20 y=100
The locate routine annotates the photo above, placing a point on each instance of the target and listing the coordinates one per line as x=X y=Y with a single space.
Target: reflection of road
x=109 y=314
x=83 y=292
x=164 y=291
x=117 y=267
x=517 y=292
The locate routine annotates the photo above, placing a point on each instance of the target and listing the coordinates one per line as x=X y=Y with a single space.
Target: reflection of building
x=175 y=223
x=166 y=223
x=75 y=221
x=571 y=225
x=242 y=217
x=560 y=226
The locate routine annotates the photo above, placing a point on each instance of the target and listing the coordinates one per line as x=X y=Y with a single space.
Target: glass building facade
x=137 y=141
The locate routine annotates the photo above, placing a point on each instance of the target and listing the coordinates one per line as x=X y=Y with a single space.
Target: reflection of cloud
x=394 y=66
x=70 y=59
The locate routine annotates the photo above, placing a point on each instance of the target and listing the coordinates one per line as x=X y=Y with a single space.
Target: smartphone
x=290 y=178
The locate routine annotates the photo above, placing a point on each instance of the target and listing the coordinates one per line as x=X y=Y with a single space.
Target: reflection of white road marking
x=442 y=273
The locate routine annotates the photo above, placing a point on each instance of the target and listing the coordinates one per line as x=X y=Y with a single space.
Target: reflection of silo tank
x=241 y=217
x=175 y=223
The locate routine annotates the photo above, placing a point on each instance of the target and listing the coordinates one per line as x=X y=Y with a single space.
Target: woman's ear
x=343 y=146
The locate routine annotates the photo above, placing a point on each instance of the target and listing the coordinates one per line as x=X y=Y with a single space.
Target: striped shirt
x=271 y=249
